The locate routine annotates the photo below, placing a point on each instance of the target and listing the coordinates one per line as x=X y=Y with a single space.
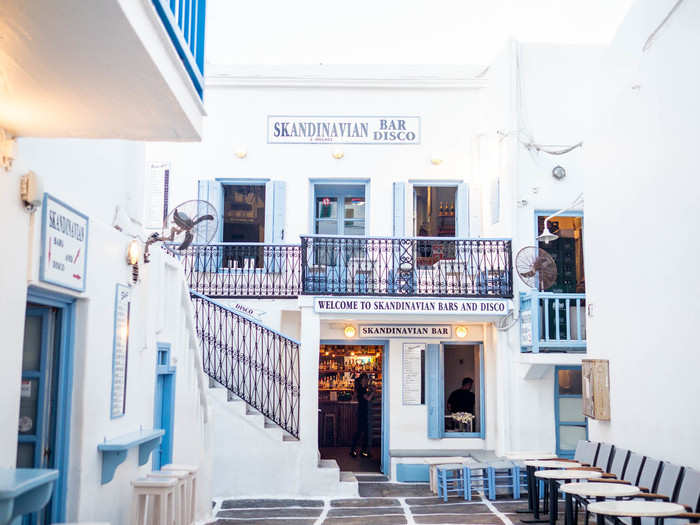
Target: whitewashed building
x=371 y=216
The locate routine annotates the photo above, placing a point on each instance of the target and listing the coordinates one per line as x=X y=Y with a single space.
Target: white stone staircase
x=254 y=457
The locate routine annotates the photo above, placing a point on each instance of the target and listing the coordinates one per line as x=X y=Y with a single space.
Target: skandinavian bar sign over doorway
x=407 y=331
x=283 y=129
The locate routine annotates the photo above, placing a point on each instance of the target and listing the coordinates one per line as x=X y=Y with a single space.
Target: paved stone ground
x=382 y=503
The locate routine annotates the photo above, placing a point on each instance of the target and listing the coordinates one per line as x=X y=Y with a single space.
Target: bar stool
x=477 y=477
x=156 y=496
x=181 y=494
x=452 y=477
x=504 y=474
x=191 y=487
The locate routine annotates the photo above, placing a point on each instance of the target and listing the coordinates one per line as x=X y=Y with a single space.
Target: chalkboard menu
x=122 y=306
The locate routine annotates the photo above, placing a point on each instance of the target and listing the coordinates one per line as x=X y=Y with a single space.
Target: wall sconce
x=241 y=152
x=338 y=154
x=436 y=160
x=7 y=150
x=30 y=191
x=461 y=332
x=350 y=331
x=133 y=255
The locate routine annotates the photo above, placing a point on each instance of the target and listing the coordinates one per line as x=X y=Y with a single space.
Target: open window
x=567 y=252
x=435 y=211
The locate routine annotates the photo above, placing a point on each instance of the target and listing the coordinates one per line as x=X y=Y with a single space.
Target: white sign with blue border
x=64 y=243
x=120 y=351
x=289 y=129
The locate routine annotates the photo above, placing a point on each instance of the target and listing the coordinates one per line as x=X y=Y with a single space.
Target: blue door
x=164 y=406
x=570 y=422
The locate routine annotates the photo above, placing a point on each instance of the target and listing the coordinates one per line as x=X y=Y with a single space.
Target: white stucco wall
x=95 y=177
x=641 y=224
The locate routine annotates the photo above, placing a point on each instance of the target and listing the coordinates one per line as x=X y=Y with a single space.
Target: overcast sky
x=397 y=31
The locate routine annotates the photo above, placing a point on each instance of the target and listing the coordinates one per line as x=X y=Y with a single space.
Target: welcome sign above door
x=284 y=129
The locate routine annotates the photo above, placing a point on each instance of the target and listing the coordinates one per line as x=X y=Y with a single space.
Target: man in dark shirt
x=364 y=395
x=462 y=400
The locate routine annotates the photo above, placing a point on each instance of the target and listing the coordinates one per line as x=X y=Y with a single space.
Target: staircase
x=254 y=395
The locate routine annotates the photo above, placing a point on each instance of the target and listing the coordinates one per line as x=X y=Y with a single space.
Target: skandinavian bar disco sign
x=282 y=129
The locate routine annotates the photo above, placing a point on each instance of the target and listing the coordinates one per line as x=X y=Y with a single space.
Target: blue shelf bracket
x=115 y=451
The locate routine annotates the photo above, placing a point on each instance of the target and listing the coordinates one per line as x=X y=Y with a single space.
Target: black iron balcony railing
x=244 y=269
x=417 y=266
x=254 y=362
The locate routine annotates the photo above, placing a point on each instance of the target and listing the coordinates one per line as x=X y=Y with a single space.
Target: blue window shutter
x=433 y=385
x=280 y=197
x=463 y=210
x=213 y=192
x=399 y=229
x=495 y=201
x=269 y=211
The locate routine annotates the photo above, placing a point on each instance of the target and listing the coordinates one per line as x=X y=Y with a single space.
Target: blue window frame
x=164 y=410
x=435 y=392
x=570 y=423
x=339 y=207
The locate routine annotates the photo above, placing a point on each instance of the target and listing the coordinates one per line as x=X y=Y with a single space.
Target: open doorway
x=347 y=373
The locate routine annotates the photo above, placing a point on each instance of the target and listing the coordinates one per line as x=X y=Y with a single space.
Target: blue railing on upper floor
x=554 y=322
x=184 y=22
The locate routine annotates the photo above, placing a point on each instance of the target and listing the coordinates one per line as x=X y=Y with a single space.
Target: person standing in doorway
x=364 y=394
x=462 y=399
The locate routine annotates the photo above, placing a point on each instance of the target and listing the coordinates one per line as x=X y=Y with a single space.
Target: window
x=568 y=408
x=462 y=388
x=434 y=211
x=244 y=213
x=339 y=209
x=567 y=252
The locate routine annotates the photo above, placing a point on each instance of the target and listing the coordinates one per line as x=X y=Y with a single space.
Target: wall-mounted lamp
x=558 y=172
x=350 y=331
x=133 y=255
x=241 y=152
x=461 y=332
x=338 y=154
x=30 y=191
x=436 y=160
x=7 y=150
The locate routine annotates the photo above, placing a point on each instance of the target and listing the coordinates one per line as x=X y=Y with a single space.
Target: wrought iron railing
x=417 y=266
x=254 y=362
x=184 y=22
x=553 y=321
x=244 y=269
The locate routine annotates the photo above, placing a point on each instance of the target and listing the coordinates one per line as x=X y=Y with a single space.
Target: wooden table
x=560 y=475
x=636 y=509
x=599 y=491
x=533 y=494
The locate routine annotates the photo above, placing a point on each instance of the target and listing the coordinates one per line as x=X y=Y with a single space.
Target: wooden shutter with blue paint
x=399 y=223
x=463 y=210
x=213 y=192
x=433 y=385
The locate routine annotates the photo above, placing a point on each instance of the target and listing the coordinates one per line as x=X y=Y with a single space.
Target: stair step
x=328 y=463
x=347 y=476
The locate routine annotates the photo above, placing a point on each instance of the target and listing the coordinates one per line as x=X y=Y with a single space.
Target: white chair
x=191 y=487
x=153 y=501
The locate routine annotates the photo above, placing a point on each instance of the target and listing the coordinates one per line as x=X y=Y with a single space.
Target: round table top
x=551 y=464
x=523 y=455
x=636 y=508
x=568 y=474
x=605 y=490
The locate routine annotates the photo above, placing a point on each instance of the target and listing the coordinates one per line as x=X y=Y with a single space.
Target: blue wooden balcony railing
x=184 y=22
x=554 y=322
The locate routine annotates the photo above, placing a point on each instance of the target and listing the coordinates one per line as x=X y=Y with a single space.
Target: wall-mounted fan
x=191 y=221
x=536 y=268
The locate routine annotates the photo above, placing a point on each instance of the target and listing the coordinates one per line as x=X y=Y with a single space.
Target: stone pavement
x=381 y=503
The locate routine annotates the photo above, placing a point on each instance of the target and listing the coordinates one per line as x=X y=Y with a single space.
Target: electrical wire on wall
x=653 y=34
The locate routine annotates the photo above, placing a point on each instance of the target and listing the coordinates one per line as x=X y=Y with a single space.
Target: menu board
x=157 y=194
x=412 y=388
x=525 y=328
x=122 y=306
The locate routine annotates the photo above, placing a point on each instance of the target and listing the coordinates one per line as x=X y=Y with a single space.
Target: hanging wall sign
x=412 y=387
x=422 y=331
x=462 y=307
x=122 y=306
x=64 y=237
x=283 y=129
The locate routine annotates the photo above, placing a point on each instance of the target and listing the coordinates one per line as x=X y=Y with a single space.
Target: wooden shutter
x=463 y=210
x=433 y=386
x=399 y=223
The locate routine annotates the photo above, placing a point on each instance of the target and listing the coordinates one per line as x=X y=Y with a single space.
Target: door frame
x=164 y=369
x=65 y=305
x=557 y=421
x=384 y=343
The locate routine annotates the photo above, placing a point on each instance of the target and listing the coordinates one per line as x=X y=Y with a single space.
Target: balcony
x=552 y=322
x=109 y=69
x=365 y=266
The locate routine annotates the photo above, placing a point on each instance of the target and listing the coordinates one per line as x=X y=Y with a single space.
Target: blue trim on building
x=410 y=472
x=164 y=410
x=482 y=392
x=565 y=453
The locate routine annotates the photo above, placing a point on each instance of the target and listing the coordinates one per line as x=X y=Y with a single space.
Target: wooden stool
x=191 y=488
x=329 y=421
x=452 y=477
x=181 y=493
x=153 y=502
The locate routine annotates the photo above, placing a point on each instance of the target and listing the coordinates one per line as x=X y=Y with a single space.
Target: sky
x=287 y=32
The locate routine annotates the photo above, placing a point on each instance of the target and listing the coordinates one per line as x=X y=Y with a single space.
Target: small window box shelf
x=115 y=450
x=23 y=491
